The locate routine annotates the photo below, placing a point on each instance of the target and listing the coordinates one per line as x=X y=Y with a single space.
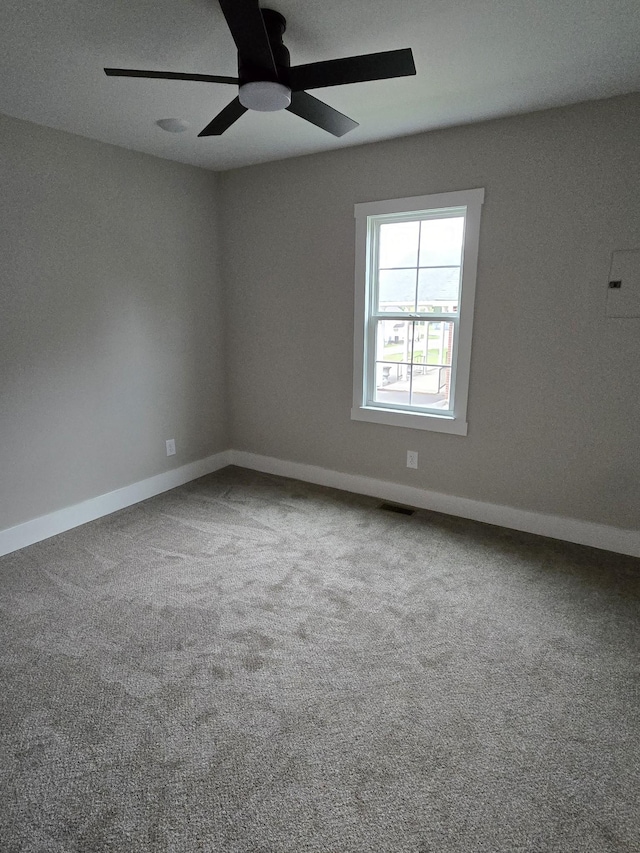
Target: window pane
x=431 y=389
x=397 y=290
x=394 y=340
x=439 y=343
x=392 y=383
x=441 y=241
x=439 y=290
x=420 y=343
x=398 y=244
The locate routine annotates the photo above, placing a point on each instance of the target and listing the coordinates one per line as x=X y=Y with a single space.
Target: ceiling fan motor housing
x=258 y=89
x=275 y=25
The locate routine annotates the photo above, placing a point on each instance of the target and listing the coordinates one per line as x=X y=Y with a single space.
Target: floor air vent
x=403 y=510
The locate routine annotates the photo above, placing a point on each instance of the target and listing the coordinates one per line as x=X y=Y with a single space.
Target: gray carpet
x=250 y=663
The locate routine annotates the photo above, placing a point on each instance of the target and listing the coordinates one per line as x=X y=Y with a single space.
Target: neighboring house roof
x=398 y=287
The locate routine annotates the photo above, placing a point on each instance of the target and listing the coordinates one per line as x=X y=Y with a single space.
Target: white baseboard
x=45 y=526
x=620 y=540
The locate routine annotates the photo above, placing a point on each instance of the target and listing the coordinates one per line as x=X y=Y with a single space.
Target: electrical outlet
x=171 y=446
x=412 y=458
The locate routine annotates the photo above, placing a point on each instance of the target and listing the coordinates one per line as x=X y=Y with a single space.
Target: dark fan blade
x=224 y=119
x=168 y=75
x=244 y=19
x=353 y=69
x=320 y=114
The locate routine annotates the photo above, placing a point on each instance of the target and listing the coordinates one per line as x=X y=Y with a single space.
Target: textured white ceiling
x=475 y=59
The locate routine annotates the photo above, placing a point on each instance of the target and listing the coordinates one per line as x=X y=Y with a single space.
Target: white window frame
x=368 y=218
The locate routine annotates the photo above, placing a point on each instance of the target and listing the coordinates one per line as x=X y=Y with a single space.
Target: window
x=416 y=262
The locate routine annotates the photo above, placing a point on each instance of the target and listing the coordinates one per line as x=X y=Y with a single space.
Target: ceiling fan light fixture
x=264 y=96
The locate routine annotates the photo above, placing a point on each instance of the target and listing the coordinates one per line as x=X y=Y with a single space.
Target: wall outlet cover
x=171 y=447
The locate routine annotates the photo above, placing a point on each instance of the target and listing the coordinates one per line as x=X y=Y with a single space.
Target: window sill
x=411 y=420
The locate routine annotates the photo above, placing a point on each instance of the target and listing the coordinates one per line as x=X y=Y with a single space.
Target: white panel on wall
x=623 y=295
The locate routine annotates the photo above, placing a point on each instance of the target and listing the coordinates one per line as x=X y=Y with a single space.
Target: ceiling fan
x=266 y=80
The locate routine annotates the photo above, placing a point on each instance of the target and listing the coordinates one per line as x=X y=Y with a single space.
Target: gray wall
x=110 y=319
x=112 y=331
x=554 y=405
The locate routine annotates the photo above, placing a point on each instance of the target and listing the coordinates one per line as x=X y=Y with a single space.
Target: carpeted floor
x=250 y=664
